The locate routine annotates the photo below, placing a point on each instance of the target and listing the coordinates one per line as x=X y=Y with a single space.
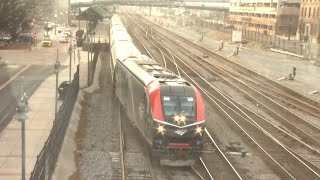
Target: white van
x=66 y=32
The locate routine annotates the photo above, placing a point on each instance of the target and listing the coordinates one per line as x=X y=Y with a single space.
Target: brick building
x=273 y=17
x=309 y=21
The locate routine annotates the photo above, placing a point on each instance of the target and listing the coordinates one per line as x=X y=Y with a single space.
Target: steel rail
x=315 y=105
x=314 y=129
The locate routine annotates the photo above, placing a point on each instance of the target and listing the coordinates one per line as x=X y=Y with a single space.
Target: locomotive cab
x=180 y=135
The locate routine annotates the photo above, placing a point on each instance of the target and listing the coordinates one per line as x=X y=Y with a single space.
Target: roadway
x=34 y=65
x=10 y=90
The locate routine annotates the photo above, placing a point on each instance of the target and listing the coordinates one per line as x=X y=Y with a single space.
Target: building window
x=305 y=12
x=309 y=12
x=301 y=13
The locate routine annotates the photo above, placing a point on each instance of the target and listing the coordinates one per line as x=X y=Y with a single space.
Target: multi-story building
x=309 y=21
x=273 y=17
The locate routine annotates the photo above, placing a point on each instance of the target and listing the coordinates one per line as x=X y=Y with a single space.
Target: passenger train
x=166 y=109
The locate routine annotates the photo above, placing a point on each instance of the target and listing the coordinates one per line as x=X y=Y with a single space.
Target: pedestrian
x=221 y=45
x=294 y=71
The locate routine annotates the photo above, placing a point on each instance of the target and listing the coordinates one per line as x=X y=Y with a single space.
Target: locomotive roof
x=143 y=67
x=153 y=71
x=125 y=49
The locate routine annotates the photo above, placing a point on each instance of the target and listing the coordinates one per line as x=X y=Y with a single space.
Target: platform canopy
x=93 y=13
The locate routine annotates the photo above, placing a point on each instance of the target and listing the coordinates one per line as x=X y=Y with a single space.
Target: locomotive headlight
x=180 y=119
x=176 y=118
x=199 y=130
x=161 y=129
x=183 y=119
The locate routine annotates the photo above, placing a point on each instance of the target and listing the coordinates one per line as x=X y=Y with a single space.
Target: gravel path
x=97 y=138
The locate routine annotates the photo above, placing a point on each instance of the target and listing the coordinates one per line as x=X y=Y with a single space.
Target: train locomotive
x=166 y=109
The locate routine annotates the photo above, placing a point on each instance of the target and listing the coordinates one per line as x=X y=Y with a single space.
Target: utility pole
x=56 y=70
x=70 y=56
x=79 y=15
x=89 y=60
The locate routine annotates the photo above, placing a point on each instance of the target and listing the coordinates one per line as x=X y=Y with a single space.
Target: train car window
x=178 y=105
x=187 y=106
x=170 y=105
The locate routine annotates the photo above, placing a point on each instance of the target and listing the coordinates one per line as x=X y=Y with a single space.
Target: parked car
x=66 y=31
x=73 y=25
x=3 y=43
x=64 y=38
x=5 y=37
x=26 y=37
x=46 y=42
x=60 y=29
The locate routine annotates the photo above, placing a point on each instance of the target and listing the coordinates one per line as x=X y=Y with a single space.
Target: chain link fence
x=47 y=158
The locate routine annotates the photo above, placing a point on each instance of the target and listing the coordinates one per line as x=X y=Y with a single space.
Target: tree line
x=14 y=17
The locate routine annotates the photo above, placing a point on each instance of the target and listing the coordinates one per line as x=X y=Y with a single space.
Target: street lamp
x=20 y=115
x=91 y=27
x=74 y=50
x=70 y=56
x=89 y=49
x=79 y=17
x=55 y=27
x=47 y=27
x=67 y=18
x=61 y=17
x=56 y=67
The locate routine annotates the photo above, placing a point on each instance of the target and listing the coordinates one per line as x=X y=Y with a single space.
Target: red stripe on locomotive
x=179 y=145
x=200 y=106
x=155 y=100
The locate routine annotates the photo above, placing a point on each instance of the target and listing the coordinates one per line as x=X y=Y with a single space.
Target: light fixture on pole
x=61 y=17
x=79 y=17
x=56 y=67
x=89 y=60
x=74 y=50
x=91 y=27
x=67 y=14
x=55 y=27
x=47 y=26
x=20 y=115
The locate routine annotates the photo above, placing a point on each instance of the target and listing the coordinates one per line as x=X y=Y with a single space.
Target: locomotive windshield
x=179 y=106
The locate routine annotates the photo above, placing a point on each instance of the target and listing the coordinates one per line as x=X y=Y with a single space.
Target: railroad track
x=295 y=124
x=200 y=170
x=284 y=173
x=117 y=153
x=224 y=165
x=129 y=160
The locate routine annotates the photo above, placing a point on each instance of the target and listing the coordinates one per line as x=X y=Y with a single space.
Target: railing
x=268 y=41
x=47 y=158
